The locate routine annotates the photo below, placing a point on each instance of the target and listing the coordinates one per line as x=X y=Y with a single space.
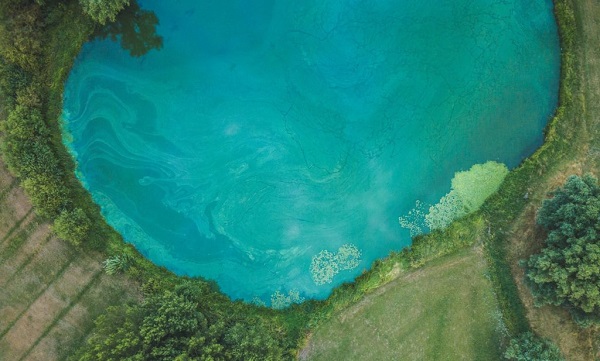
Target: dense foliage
x=26 y=145
x=567 y=270
x=191 y=322
x=103 y=11
x=529 y=347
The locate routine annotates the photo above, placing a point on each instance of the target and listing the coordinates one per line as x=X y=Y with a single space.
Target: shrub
x=72 y=226
x=47 y=193
x=529 y=347
x=116 y=264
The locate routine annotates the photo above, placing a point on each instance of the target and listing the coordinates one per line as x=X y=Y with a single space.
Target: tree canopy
x=190 y=322
x=529 y=347
x=567 y=270
x=103 y=11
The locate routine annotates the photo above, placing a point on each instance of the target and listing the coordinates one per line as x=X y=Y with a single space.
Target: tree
x=103 y=10
x=567 y=270
x=72 y=226
x=191 y=322
x=20 y=42
x=529 y=347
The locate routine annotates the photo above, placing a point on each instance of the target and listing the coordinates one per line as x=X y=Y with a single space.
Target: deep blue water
x=266 y=132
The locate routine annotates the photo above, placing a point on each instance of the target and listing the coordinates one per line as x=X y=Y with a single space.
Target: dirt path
x=50 y=292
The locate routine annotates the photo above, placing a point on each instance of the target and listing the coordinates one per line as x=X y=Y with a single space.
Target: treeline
x=189 y=322
x=27 y=136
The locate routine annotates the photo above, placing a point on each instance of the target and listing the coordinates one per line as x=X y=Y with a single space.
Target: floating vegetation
x=280 y=300
x=257 y=301
x=414 y=220
x=474 y=186
x=469 y=190
x=348 y=257
x=325 y=265
x=449 y=208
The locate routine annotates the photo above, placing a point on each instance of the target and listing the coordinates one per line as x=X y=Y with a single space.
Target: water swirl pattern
x=265 y=133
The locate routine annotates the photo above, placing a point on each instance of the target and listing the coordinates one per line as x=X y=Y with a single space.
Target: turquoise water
x=264 y=133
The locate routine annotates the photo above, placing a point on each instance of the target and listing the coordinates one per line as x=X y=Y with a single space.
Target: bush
x=47 y=193
x=116 y=264
x=72 y=226
x=529 y=347
x=103 y=11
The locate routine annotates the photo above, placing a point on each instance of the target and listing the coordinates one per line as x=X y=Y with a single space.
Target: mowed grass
x=444 y=311
x=50 y=292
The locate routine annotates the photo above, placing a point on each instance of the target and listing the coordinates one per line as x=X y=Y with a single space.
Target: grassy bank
x=565 y=137
x=446 y=310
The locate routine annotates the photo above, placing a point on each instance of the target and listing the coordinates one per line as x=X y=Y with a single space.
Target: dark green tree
x=529 y=347
x=567 y=270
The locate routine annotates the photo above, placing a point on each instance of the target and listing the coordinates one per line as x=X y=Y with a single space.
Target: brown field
x=50 y=292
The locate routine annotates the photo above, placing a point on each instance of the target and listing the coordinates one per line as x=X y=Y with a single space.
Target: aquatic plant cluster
x=280 y=300
x=325 y=265
x=469 y=190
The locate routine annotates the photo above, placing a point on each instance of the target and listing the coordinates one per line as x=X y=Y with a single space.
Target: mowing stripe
x=38 y=295
x=27 y=260
x=18 y=240
x=6 y=190
x=63 y=312
x=16 y=226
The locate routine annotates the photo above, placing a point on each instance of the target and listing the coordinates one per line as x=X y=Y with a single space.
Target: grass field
x=443 y=311
x=50 y=293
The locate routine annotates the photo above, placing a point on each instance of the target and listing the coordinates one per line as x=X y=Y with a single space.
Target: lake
x=269 y=135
